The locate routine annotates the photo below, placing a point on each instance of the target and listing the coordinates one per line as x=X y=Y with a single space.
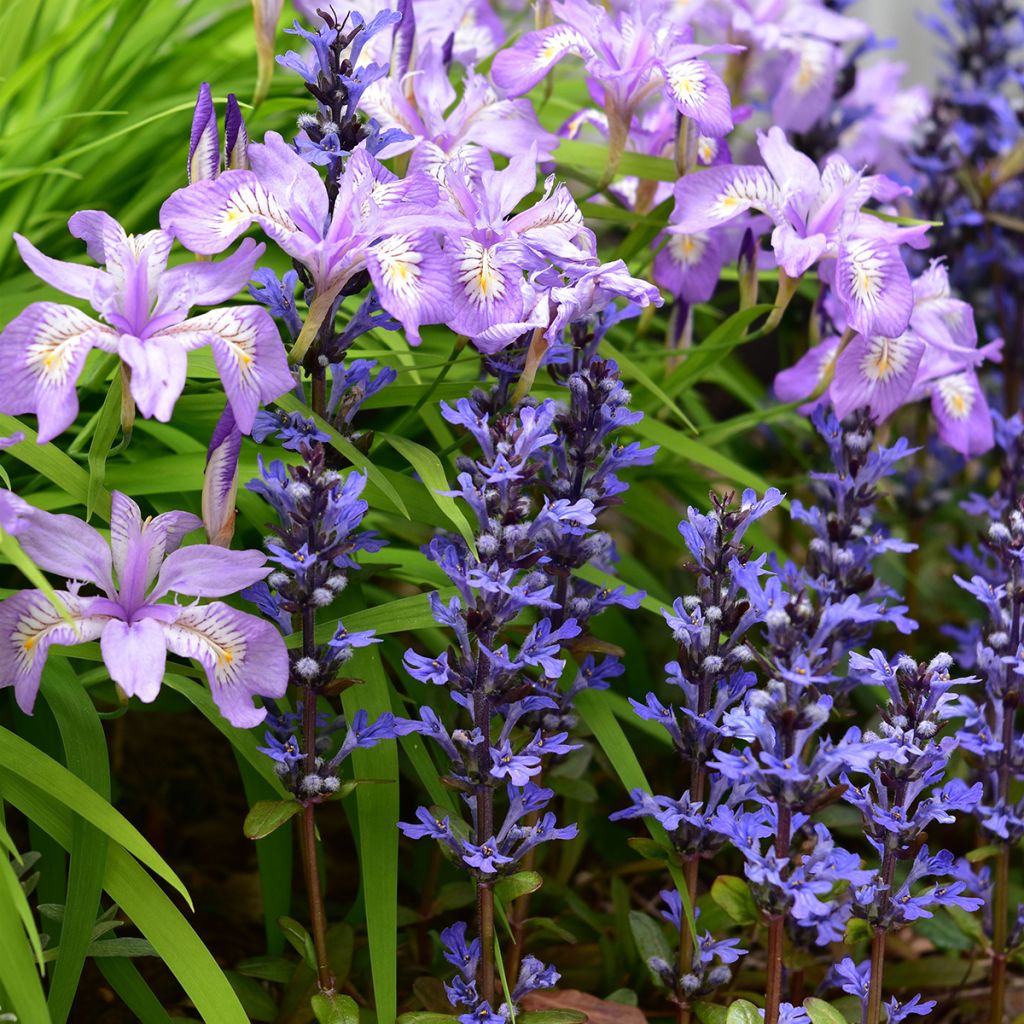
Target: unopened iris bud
x=220 y=481
x=236 y=138
x=747 y=270
x=204 y=145
x=265 y=15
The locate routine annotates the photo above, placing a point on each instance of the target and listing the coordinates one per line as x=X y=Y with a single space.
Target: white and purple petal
x=29 y=625
x=248 y=351
x=487 y=289
x=135 y=655
x=521 y=66
x=877 y=373
x=688 y=265
x=699 y=94
x=872 y=283
x=220 y=480
x=965 y=423
x=243 y=656
x=707 y=198
x=159 y=367
x=42 y=352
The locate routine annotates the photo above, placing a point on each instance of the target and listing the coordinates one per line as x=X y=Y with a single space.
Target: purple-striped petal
x=965 y=423
x=29 y=624
x=135 y=655
x=876 y=372
x=99 y=231
x=249 y=354
x=521 y=66
x=874 y=287
x=42 y=352
x=487 y=290
x=243 y=657
x=698 y=93
x=208 y=216
x=689 y=265
x=67 y=547
x=413 y=280
x=707 y=198
x=204 y=146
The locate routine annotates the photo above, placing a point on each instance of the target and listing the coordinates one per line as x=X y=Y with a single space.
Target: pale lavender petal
x=12 y=439
x=99 y=231
x=159 y=367
x=243 y=656
x=688 y=266
x=220 y=480
x=877 y=373
x=806 y=375
x=207 y=283
x=42 y=352
x=705 y=199
x=293 y=183
x=794 y=172
x=249 y=354
x=208 y=216
x=206 y=570
x=521 y=66
x=136 y=267
x=67 y=547
x=236 y=138
x=698 y=93
x=874 y=287
x=487 y=290
x=413 y=279
x=29 y=624
x=965 y=423
x=794 y=252
x=807 y=89
x=125 y=530
x=135 y=656
x=89 y=283
x=13 y=512
x=204 y=146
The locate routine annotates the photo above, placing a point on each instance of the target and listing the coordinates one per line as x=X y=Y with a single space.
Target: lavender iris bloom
x=631 y=56
x=380 y=224
x=144 y=308
x=818 y=219
x=134 y=571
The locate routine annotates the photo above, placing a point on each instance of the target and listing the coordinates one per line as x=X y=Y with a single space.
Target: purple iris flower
x=381 y=224
x=135 y=570
x=437 y=130
x=630 y=56
x=818 y=219
x=144 y=308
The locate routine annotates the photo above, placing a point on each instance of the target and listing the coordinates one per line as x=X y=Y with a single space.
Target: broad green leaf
x=573 y=154
x=821 y=1012
x=425 y=1017
x=650 y=941
x=20 y=974
x=300 y=939
x=22 y=759
x=335 y=1009
x=709 y=1013
x=257 y=1002
x=733 y=895
x=519 y=884
x=742 y=1011
x=267 y=816
x=552 y=1017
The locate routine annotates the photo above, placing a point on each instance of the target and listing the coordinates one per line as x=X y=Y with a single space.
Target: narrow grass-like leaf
x=20 y=977
x=85 y=749
x=107 y=425
x=23 y=760
x=124 y=978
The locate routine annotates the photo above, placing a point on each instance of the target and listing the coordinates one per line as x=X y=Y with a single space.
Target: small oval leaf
x=268 y=816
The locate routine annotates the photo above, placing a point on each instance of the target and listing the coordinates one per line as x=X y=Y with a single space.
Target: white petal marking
x=478 y=273
x=957 y=396
x=884 y=358
x=400 y=264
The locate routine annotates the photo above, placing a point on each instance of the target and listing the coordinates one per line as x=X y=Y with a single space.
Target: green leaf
x=425 y=1017
x=821 y=1012
x=23 y=760
x=984 y=853
x=85 y=749
x=574 y=155
x=141 y=899
x=120 y=946
x=742 y=1011
x=267 y=968
x=20 y=974
x=267 y=816
x=968 y=923
x=124 y=978
x=257 y=1002
x=290 y=403
x=552 y=1017
x=431 y=472
x=12 y=551
x=107 y=425
x=519 y=884
x=709 y=1013
x=377 y=809
x=300 y=940
x=335 y=1009
x=634 y=370
x=733 y=895
x=650 y=940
